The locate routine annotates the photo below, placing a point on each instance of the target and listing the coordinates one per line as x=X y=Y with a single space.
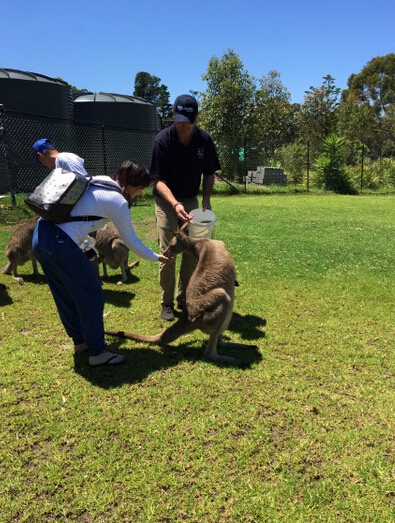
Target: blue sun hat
x=41 y=146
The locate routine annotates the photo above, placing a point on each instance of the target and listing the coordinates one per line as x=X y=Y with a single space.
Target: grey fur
x=19 y=249
x=113 y=252
x=209 y=297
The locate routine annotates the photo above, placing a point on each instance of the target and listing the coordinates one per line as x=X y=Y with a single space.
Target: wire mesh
x=103 y=147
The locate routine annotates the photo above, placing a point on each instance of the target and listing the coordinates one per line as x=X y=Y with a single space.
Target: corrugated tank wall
x=116 y=109
x=35 y=106
x=130 y=126
x=34 y=93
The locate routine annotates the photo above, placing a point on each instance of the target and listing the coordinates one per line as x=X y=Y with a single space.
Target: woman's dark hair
x=133 y=173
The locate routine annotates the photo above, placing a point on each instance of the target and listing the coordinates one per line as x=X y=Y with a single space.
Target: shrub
x=377 y=174
x=292 y=158
x=330 y=167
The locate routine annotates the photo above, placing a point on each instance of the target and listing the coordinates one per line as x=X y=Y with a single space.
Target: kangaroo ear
x=184 y=226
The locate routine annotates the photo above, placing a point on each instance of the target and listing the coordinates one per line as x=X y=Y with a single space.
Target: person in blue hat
x=182 y=155
x=48 y=155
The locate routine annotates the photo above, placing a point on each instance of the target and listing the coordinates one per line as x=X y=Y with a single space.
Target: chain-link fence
x=103 y=147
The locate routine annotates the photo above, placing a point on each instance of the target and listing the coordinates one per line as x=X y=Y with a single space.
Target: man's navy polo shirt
x=181 y=167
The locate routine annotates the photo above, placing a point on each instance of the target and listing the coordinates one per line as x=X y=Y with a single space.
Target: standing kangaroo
x=209 y=297
x=113 y=252
x=19 y=249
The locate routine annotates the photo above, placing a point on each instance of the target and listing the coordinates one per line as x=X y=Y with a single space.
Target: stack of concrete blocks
x=267 y=176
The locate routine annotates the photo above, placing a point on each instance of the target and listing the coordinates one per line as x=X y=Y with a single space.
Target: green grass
x=306 y=434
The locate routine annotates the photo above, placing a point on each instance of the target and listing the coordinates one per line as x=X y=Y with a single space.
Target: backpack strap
x=84 y=218
x=104 y=185
x=88 y=218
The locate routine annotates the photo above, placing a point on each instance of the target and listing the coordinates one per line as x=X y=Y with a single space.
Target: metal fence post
x=308 y=166
x=103 y=141
x=3 y=138
x=362 y=156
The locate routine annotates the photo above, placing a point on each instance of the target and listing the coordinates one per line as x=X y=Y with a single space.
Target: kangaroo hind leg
x=211 y=353
x=179 y=328
x=234 y=345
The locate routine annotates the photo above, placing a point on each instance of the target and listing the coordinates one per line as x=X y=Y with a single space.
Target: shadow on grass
x=119 y=298
x=144 y=361
x=114 y=279
x=5 y=298
x=247 y=326
x=38 y=279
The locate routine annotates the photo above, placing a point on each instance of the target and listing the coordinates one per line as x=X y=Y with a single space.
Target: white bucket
x=202 y=224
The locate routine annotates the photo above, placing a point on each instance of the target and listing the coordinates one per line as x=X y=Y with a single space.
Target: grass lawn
x=305 y=434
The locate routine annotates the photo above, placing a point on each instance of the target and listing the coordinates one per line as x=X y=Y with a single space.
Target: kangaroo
x=19 y=249
x=209 y=297
x=113 y=252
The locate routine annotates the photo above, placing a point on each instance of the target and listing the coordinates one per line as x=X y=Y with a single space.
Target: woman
x=72 y=278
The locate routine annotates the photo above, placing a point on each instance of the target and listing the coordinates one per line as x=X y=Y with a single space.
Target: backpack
x=57 y=194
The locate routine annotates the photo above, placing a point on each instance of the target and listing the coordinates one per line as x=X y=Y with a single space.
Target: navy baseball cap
x=185 y=109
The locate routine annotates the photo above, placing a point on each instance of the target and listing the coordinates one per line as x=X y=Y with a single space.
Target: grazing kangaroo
x=19 y=249
x=113 y=252
x=209 y=297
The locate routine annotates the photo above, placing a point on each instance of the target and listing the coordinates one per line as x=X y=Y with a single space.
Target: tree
x=226 y=106
x=75 y=90
x=373 y=92
x=292 y=157
x=274 y=115
x=148 y=87
x=317 y=113
x=356 y=123
x=375 y=84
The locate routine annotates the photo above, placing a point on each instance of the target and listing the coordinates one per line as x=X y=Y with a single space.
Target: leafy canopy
x=375 y=84
x=149 y=88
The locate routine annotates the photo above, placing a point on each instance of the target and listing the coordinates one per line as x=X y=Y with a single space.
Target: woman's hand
x=164 y=259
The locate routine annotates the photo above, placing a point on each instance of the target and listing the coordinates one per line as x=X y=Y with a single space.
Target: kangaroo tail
x=7 y=269
x=134 y=336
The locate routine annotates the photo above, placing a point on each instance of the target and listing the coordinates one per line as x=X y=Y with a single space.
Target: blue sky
x=101 y=45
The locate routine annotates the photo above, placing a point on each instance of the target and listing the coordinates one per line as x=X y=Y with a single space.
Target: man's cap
x=42 y=145
x=185 y=109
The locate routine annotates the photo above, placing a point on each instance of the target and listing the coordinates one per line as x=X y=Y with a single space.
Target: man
x=49 y=156
x=181 y=154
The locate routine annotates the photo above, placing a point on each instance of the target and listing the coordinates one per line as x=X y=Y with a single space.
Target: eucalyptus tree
x=375 y=84
x=274 y=116
x=226 y=106
x=372 y=91
x=317 y=114
x=356 y=123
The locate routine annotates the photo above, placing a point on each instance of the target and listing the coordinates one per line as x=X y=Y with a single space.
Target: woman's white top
x=112 y=206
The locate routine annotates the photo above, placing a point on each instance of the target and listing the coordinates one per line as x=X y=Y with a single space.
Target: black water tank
x=33 y=93
x=36 y=106
x=116 y=109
